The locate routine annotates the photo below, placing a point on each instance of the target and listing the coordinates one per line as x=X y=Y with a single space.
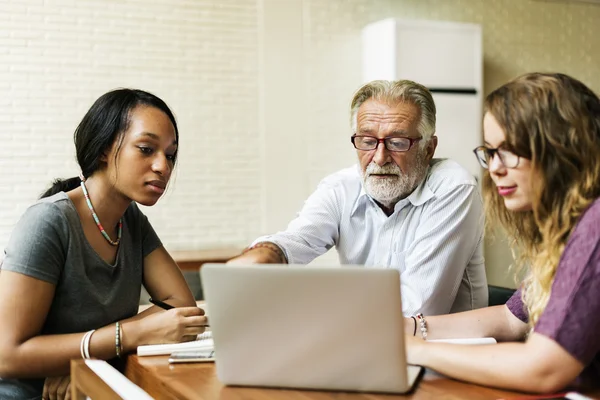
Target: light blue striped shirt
x=434 y=236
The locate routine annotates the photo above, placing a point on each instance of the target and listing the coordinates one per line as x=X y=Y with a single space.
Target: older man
x=399 y=209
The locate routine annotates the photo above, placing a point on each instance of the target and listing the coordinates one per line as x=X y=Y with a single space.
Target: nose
x=495 y=165
x=382 y=155
x=161 y=165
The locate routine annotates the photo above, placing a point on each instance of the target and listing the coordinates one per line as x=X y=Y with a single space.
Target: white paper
x=117 y=381
x=204 y=342
x=485 y=340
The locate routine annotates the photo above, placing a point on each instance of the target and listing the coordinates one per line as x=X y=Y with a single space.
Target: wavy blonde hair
x=554 y=121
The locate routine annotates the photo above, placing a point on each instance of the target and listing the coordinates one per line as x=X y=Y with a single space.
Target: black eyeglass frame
x=411 y=142
x=491 y=153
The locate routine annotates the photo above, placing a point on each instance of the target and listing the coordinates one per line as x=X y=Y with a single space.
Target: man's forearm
x=262 y=253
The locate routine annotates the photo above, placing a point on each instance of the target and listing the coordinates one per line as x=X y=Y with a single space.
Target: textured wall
x=260 y=89
x=519 y=36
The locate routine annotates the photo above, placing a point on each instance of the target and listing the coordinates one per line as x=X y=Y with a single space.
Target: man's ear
x=431 y=146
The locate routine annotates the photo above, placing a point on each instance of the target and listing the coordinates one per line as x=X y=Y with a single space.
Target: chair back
x=499 y=295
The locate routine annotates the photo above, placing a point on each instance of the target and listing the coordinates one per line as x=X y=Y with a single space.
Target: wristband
x=415 y=330
x=84 y=346
x=423 y=325
x=270 y=246
x=118 y=339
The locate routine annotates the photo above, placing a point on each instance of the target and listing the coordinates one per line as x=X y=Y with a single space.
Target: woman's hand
x=180 y=324
x=415 y=348
x=57 y=388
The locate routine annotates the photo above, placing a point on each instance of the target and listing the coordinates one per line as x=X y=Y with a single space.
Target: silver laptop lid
x=334 y=328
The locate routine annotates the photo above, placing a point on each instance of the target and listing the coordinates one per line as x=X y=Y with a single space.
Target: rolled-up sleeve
x=516 y=307
x=314 y=231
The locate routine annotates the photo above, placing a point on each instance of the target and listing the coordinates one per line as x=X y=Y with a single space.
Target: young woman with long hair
x=542 y=185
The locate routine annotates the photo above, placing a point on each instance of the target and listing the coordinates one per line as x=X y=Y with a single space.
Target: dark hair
x=104 y=123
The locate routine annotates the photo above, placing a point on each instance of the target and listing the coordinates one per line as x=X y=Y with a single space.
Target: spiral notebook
x=204 y=342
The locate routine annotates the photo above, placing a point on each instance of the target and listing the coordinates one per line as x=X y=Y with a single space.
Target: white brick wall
x=201 y=57
x=260 y=89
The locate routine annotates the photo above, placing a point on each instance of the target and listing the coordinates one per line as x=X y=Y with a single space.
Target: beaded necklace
x=95 y=216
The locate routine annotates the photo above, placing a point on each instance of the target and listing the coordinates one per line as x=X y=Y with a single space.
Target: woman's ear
x=103 y=160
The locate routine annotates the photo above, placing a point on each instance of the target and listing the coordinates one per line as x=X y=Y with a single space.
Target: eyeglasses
x=396 y=143
x=485 y=155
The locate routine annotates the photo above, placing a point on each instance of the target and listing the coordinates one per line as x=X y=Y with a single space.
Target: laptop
x=308 y=327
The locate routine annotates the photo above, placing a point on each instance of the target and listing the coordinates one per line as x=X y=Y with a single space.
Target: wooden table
x=199 y=381
x=85 y=383
x=192 y=260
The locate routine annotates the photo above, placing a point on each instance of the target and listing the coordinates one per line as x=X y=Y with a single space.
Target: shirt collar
x=419 y=196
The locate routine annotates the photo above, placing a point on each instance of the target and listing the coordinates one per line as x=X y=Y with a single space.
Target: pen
x=161 y=304
x=166 y=306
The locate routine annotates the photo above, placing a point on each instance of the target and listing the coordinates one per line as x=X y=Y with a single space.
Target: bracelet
x=87 y=344
x=121 y=337
x=270 y=246
x=118 y=339
x=415 y=330
x=81 y=345
x=423 y=325
x=84 y=346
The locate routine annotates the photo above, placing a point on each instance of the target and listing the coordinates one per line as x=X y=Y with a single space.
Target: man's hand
x=57 y=388
x=259 y=255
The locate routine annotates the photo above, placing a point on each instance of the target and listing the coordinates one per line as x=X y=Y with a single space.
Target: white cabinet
x=458 y=129
x=447 y=58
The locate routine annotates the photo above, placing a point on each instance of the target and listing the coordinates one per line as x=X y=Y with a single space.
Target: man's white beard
x=388 y=191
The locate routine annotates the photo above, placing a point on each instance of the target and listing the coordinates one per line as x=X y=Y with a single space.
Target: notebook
x=204 y=342
x=316 y=327
x=484 y=340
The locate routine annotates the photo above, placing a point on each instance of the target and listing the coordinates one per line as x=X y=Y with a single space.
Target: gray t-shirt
x=48 y=243
x=572 y=316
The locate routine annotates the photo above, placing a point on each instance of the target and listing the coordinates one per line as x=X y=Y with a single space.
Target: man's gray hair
x=394 y=92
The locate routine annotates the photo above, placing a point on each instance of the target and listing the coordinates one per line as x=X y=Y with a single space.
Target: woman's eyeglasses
x=485 y=155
